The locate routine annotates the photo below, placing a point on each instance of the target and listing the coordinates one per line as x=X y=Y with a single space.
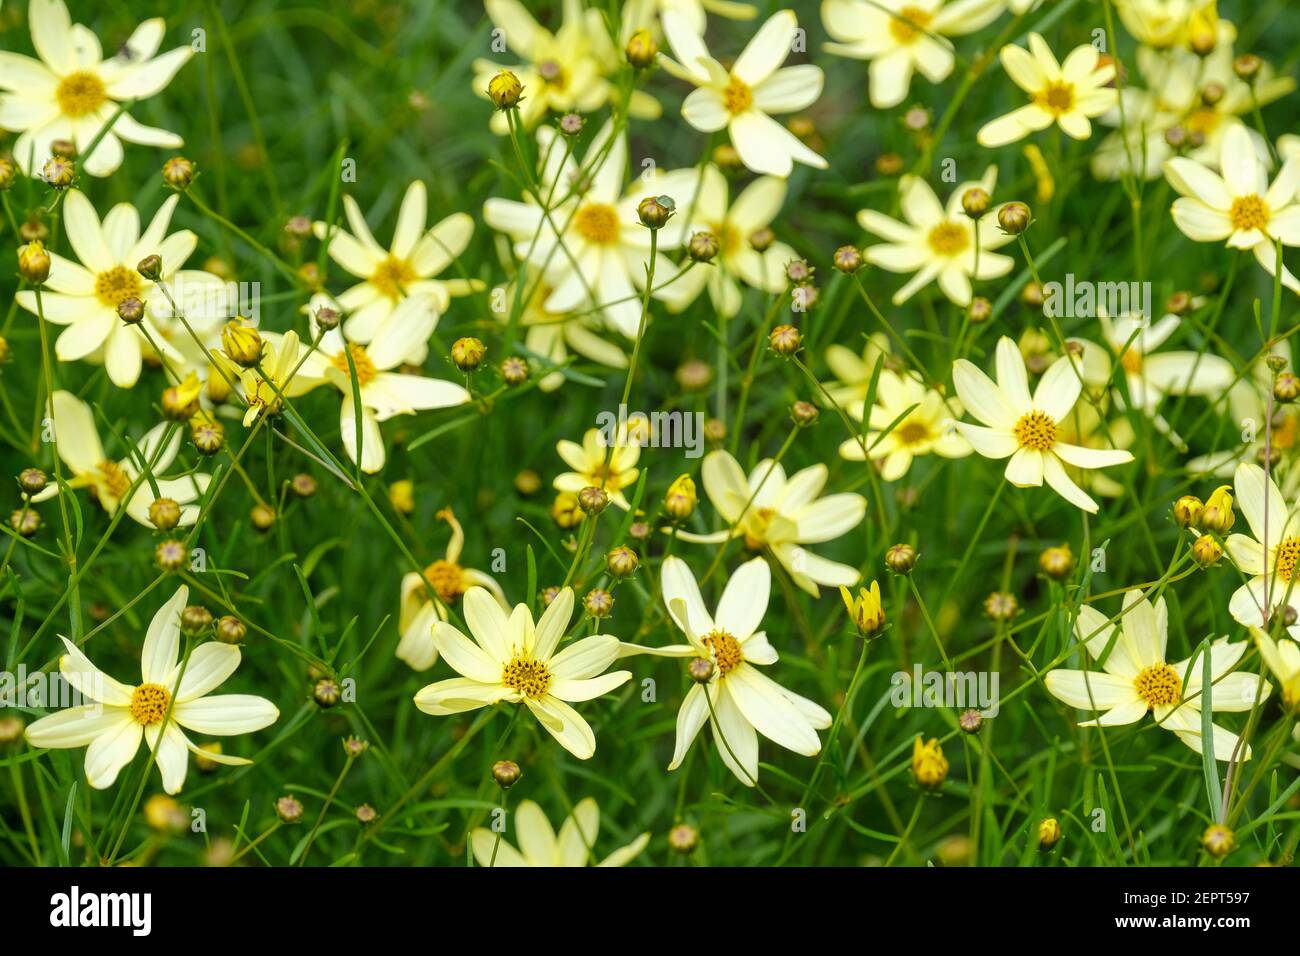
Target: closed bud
x=680 y=501
x=32 y=481
x=241 y=343
x=804 y=414
x=195 y=620
x=798 y=271
x=901 y=558
x=208 y=437
x=1218 y=841
x=289 y=809
x=1188 y=510
x=528 y=482
x=164 y=513
x=326 y=693
x=150 y=267
x=231 y=630
x=683 y=838
x=641 y=49
x=170 y=555
x=1276 y=362
x=1032 y=295
x=700 y=670
x=981 y=310
x=1247 y=67
x=178 y=172
x=970 y=721
x=727 y=159
x=34 y=262
x=599 y=603
x=262 y=517
x=622 y=562
x=889 y=164
x=514 y=370
x=1049 y=833
x=59 y=171
x=929 y=766
x=467 y=353
x=655 y=211
x=1014 y=218
x=1057 y=563
x=401 y=495
x=303 y=485
x=593 y=500
x=506 y=773
x=131 y=310
x=847 y=259
x=785 y=340
x=975 y=201
x=505 y=90
x=327 y=319
x=8 y=173
x=1286 y=387
x=703 y=247
x=1180 y=303
x=571 y=124
x=26 y=521
x=760 y=240
x=1206 y=552
x=1001 y=606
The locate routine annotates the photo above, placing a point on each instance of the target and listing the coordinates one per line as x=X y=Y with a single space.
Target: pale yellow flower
x=539 y=845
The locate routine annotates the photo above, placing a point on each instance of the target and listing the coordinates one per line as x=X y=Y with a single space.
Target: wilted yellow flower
x=865 y=611
x=929 y=765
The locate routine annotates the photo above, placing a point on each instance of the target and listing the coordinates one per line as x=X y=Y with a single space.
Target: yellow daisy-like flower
x=638 y=14
x=519 y=662
x=1136 y=679
x=596 y=464
x=733 y=224
x=420 y=610
x=1025 y=428
x=84 y=296
x=740 y=100
x=769 y=510
x=172 y=694
x=539 y=845
x=744 y=701
x=565 y=71
x=80 y=449
x=1067 y=94
x=938 y=242
x=1239 y=206
x=407 y=269
x=901 y=37
x=918 y=421
x=72 y=92
x=1270 y=555
x=383 y=392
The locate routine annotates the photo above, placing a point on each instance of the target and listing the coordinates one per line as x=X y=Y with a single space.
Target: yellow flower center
x=1285 y=558
x=756 y=525
x=117 y=285
x=1036 y=430
x=115 y=479
x=1131 y=359
x=529 y=677
x=149 y=704
x=553 y=74
x=948 y=238
x=597 y=222
x=1056 y=98
x=366 y=371
x=80 y=94
x=392 y=276
x=908 y=24
x=737 y=97
x=913 y=433
x=446 y=578
x=725 y=649
x=1248 y=212
x=1204 y=121
x=1158 y=685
